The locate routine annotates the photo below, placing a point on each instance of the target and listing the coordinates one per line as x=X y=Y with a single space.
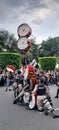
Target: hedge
x=7 y=58
x=48 y=63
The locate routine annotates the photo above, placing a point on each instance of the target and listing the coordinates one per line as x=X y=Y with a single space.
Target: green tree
x=49 y=47
x=7 y=42
x=33 y=52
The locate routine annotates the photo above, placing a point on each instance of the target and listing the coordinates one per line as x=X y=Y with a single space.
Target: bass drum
x=24 y=30
x=26 y=97
x=24 y=44
x=32 y=102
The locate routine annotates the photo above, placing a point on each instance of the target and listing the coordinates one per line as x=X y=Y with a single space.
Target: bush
x=48 y=63
x=7 y=58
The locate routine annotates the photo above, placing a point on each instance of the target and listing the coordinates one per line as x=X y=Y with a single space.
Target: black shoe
x=27 y=106
x=56 y=116
x=16 y=101
x=53 y=114
x=10 y=89
x=56 y=96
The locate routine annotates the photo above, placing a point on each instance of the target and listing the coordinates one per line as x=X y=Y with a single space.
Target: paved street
x=15 y=117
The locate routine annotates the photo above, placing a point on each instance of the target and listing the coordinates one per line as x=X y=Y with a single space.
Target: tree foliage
x=7 y=42
x=49 y=47
x=33 y=52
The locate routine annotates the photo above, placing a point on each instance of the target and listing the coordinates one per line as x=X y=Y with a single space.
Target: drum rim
x=29 y=32
x=27 y=48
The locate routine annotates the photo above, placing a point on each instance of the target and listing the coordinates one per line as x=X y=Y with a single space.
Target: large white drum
x=24 y=30
x=24 y=43
x=26 y=97
x=32 y=102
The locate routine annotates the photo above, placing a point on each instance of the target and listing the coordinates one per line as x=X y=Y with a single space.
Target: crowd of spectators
x=6 y=78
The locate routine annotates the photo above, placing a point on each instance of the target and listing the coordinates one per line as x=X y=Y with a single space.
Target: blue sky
x=41 y=15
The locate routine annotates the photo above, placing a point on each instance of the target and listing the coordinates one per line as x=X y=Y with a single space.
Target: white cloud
x=37 y=13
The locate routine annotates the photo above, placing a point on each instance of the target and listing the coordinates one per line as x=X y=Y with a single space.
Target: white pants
x=40 y=100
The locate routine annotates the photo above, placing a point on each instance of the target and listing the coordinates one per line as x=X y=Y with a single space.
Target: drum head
x=32 y=102
x=24 y=30
x=23 y=43
x=10 y=68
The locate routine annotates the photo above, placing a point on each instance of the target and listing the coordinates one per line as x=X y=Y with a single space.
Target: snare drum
x=24 y=43
x=10 y=68
x=24 y=30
